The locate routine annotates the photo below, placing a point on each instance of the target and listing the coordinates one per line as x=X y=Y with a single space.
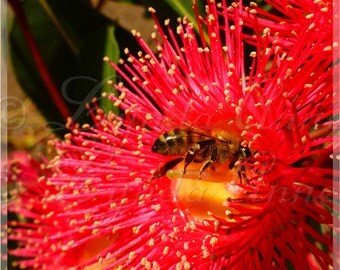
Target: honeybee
x=190 y=145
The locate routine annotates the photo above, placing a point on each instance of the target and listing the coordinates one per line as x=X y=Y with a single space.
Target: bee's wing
x=207 y=134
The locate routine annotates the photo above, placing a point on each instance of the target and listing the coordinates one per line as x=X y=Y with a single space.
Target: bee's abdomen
x=173 y=143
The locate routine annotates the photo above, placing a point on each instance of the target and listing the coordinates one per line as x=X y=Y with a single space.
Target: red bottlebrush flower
x=292 y=20
x=256 y=141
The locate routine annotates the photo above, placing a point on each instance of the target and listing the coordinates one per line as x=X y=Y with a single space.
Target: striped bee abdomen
x=172 y=143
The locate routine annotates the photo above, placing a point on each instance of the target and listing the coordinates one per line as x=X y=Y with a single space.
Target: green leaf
x=184 y=8
x=111 y=51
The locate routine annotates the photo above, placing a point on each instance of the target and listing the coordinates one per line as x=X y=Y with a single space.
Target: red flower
x=99 y=203
x=289 y=21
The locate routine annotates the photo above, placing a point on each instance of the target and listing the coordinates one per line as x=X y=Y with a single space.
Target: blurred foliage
x=72 y=38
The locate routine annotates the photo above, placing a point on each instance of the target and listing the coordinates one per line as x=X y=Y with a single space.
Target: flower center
x=205 y=198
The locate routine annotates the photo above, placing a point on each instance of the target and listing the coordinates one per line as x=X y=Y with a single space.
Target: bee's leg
x=190 y=155
x=212 y=154
x=232 y=164
x=194 y=149
x=241 y=173
x=161 y=171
